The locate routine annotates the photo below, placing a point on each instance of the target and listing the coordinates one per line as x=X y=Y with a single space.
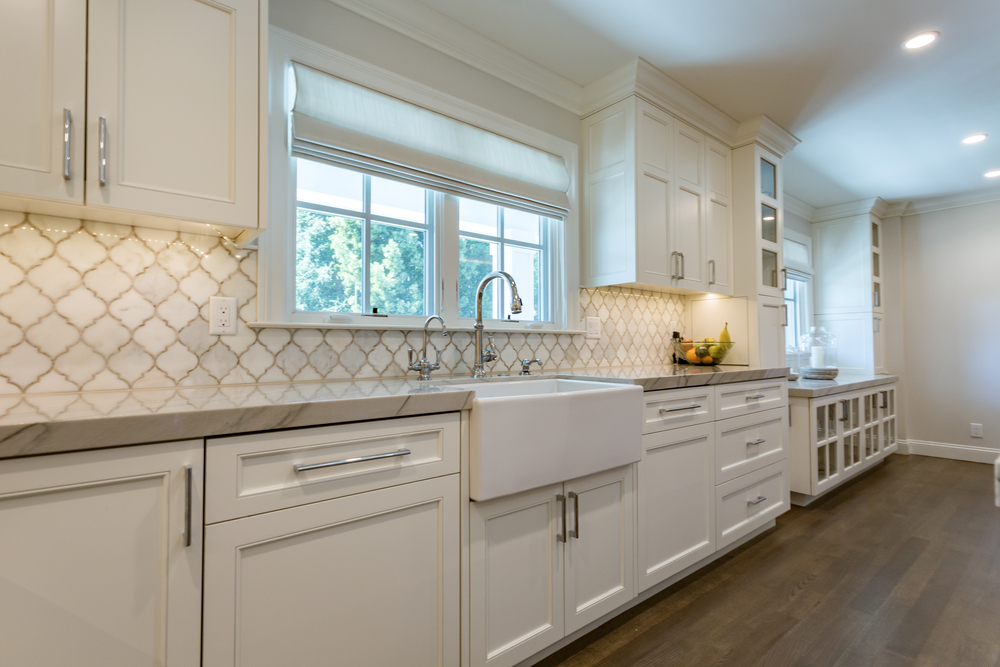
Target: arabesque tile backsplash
x=92 y=306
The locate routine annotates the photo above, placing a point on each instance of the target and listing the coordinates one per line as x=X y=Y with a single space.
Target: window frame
x=276 y=286
x=802 y=273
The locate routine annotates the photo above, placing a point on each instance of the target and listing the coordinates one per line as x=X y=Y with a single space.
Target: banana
x=724 y=336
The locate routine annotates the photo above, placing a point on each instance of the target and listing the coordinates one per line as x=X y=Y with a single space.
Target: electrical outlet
x=977 y=430
x=593 y=327
x=222 y=316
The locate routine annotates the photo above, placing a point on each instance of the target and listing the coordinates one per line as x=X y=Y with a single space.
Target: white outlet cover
x=977 y=430
x=593 y=327
x=223 y=316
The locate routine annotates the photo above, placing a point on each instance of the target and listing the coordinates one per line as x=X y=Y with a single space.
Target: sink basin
x=530 y=433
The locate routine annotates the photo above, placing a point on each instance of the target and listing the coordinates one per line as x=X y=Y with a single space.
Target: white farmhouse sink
x=531 y=433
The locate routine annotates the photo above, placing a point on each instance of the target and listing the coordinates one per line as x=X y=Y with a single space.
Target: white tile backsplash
x=91 y=306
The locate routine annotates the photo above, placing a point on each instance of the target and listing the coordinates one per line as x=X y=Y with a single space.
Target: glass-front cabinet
x=770 y=226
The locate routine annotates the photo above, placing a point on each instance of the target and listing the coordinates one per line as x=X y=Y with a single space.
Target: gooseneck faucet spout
x=484 y=356
x=425 y=365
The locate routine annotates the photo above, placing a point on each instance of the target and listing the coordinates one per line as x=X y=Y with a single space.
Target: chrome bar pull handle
x=756 y=397
x=576 y=515
x=188 y=490
x=711 y=264
x=561 y=537
x=359 y=459
x=103 y=157
x=759 y=441
x=673 y=265
x=759 y=500
x=664 y=411
x=67 y=138
x=683 y=266
x=784 y=280
x=784 y=321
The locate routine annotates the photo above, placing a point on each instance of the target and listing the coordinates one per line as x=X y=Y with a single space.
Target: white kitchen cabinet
x=746 y=503
x=772 y=318
x=657 y=206
x=163 y=98
x=675 y=502
x=43 y=55
x=547 y=562
x=599 y=546
x=102 y=557
x=835 y=437
x=368 y=579
x=719 y=226
x=758 y=204
x=516 y=553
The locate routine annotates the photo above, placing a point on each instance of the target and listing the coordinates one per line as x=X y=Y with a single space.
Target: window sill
x=407 y=327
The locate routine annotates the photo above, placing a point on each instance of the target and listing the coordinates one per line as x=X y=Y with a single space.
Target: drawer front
x=250 y=474
x=744 y=398
x=748 y=443
x=738 y=505
x=674 y=408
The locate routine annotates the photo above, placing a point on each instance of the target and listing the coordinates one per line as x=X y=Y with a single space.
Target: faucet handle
x=490 y=353
x=526 y=365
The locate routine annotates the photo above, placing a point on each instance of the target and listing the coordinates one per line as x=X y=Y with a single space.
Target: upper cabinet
x=760 y=215
x=657 y=202
x=162 y=96
x=43 y=60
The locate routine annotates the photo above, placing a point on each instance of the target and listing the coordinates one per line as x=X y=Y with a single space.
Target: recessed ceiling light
x=769 y=217
x=993 y=174
x=921 y=40
x=974 y=139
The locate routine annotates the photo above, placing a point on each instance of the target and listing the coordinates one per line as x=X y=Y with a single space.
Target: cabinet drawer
x=748 y=443
x=738 y=505
x=674 y=408
x=733 y=400
x=250 y=474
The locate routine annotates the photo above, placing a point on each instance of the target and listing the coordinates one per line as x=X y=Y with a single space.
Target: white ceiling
x=874 y=120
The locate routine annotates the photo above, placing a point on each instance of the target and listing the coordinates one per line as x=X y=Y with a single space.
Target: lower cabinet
x=101 y=557
x=675 y=499
x=835 y=437
x=547 y=562
x=368 y=579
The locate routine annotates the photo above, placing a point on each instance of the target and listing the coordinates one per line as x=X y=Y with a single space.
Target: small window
x=797 y=301
x=362 y=243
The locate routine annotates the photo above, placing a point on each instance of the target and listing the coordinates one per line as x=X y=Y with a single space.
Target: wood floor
x=901 y=567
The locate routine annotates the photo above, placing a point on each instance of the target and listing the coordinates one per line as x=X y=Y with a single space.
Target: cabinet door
x=655 y=207
x=43 y=55
x=690 y=212
x=772 y=319
x=599 y=556
x=175 y=83
x=516 y=575
x=879 y=344
x=370 y=579
x=719 y=227
x=96 y=564
x=676 y=502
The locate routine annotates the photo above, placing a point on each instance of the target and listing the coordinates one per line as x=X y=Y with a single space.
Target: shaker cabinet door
x=43 y=55
x=172 y=91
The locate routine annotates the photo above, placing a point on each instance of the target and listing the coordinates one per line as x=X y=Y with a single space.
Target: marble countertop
x=843 y=383
x=48 y=423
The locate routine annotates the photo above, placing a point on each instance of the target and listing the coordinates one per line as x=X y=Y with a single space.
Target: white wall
x=326 y=23
x=797 y=224
x=951 y=301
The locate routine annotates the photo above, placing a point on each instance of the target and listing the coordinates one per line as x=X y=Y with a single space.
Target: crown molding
x=796 y=206
x=931 y=204
x=764 y=131
x=450 y=37
x=641 y=78
x=851 y=209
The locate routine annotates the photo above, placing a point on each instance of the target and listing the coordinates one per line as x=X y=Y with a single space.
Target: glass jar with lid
x=819 y=354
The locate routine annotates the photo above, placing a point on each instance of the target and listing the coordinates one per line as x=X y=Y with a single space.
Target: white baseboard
x=943 y=450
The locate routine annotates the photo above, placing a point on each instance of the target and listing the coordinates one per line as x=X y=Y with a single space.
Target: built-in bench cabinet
x=836 y=437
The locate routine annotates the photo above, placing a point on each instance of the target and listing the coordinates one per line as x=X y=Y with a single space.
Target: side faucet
x=526 y=365
x=424 y=365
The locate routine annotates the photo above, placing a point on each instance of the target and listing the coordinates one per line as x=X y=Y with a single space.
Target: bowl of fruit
x=708 y=352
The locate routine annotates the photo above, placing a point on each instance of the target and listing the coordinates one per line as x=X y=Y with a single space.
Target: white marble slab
x=49 y=423
x=844 y=382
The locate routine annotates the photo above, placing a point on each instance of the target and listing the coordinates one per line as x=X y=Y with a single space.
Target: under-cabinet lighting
x=993 y=174
x=974 y=139
x=921 y=40
x=769 y=217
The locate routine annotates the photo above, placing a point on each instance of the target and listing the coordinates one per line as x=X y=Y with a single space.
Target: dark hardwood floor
x=900 y=567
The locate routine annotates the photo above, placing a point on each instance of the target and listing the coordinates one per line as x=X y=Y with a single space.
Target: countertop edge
x=842 y=388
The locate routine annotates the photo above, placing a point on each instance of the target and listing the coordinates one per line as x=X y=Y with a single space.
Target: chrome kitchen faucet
x=490 y=354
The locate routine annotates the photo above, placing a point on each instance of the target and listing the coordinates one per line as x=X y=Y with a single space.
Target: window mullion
x=366 y=253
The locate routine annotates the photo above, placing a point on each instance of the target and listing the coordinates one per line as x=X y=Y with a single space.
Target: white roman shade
x=355 y=127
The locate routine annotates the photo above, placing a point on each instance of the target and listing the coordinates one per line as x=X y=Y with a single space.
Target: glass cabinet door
x=769 y=268
x=768 y=179
x=768 y=223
